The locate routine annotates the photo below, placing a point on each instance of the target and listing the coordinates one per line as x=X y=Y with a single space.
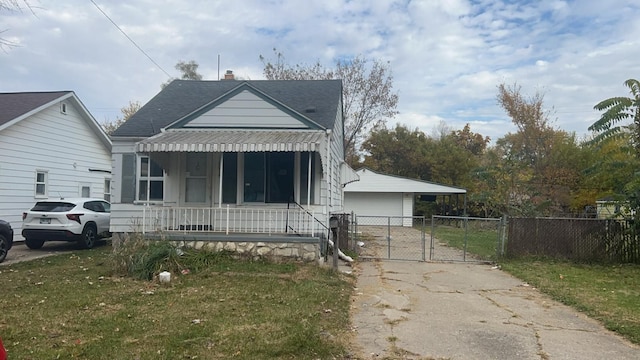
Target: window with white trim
x=150 y=180
x=107 y=190
x=85 y=190
x=42 y=177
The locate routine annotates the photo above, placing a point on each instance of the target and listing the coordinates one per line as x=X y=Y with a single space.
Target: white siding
x=242 y=110
x=63 y=145
x=380 y=205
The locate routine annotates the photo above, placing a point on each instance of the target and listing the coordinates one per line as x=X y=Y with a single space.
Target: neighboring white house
x=50 y=146
x=378 y=195
x=231 y=156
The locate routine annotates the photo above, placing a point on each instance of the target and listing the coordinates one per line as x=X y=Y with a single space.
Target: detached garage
x=380 y=195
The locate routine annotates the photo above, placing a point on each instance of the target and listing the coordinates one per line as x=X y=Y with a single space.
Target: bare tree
x=368 y=93
x=11 y=5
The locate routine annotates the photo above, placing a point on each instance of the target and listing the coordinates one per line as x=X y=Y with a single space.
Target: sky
x=447 y=57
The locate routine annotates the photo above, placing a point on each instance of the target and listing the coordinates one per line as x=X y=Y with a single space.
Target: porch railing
x=231 y=220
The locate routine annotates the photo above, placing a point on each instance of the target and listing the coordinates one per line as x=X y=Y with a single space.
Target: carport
x=378 y=194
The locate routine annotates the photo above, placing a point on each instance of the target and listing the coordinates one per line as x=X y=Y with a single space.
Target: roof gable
x=245 y=107
x=183 y=98
x=17 y=105
x=371 y=181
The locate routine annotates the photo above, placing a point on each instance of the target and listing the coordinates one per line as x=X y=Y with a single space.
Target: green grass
x=480 y=241
x=73 y=306
x=608 y=293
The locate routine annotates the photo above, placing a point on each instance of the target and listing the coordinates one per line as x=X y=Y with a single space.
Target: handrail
x=308 y=213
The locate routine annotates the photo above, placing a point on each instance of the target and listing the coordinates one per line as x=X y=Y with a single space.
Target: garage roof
x=373 y=182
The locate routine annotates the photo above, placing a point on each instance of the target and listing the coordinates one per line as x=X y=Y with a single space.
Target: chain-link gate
x=445 y=238
x=469 y=239
x=391 y=237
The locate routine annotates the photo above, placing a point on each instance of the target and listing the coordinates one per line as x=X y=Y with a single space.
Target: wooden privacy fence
x=575 y=239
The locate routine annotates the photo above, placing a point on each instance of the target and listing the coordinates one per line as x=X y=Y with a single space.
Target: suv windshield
x=48 y=206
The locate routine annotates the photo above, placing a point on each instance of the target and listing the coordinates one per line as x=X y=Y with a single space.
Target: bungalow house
x=206 y=160
x=50 y=146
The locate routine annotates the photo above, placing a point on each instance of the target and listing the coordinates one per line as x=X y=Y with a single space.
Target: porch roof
x=217 y=140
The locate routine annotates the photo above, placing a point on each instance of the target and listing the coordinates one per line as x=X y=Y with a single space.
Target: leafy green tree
x=616 y=110
x=188 y=71
x=620 y=125
x=536 y=168
x=368 y=96
x=398 y=151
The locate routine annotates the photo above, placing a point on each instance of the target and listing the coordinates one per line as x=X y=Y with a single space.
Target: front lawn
x=73 y=306
x=608 y=293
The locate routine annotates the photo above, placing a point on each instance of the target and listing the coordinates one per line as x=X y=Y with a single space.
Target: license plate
x=45 y=221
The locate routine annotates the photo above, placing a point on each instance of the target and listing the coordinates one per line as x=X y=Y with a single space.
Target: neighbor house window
x=42 y=178
x=107 y=190
x=150 y=181
x=85 y=191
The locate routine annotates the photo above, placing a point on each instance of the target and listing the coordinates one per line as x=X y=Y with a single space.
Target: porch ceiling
x=217 y=140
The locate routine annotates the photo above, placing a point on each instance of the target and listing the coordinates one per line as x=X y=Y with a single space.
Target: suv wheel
x=4 y=247
x=33 y=243
x=88 y=237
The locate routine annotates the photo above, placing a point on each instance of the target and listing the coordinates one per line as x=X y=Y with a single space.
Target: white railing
x=229 y=220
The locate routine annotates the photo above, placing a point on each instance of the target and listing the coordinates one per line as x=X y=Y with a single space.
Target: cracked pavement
x=418 y=310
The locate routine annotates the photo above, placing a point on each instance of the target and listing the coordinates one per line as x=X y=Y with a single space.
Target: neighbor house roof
x=14 y=105
x=374 y=182
x=316 y=100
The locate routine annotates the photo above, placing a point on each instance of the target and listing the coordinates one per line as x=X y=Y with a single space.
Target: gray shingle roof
x=13 y=105
x=182 y=97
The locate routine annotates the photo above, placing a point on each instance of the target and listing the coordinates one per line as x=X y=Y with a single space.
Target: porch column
x=309 y=180
x=220 y=175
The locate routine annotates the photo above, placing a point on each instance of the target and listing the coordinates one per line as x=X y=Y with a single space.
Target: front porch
x=289 y=220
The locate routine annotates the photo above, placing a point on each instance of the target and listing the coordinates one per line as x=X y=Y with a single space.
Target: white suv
x=83 y=220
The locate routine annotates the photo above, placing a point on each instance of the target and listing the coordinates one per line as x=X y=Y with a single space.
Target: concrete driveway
x=20 y=252
x=418 y=310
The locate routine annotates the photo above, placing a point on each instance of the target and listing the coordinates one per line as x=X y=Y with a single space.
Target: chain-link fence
x=457 y=238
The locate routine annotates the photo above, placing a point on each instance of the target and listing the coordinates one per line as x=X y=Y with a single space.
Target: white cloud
x=447 y=56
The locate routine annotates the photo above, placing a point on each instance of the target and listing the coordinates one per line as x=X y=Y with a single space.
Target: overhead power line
x=130 y=39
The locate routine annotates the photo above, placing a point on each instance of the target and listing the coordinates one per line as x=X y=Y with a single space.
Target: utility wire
x=130 y=39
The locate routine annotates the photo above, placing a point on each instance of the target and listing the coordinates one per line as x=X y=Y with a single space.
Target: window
x=107 y=189
x=229 y=178
x=41 y=183
x=196 y=178
x=304 y=177
x=268 y=177
x=151 y=180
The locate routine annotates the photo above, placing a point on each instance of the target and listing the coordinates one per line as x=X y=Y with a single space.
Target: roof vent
x=310 y=109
